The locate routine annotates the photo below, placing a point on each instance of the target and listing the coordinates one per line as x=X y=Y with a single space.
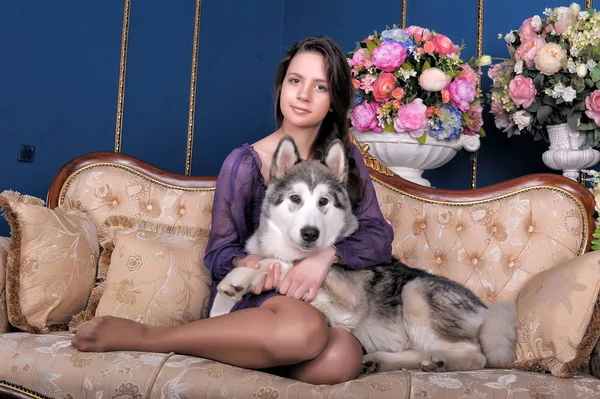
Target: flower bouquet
x=417 y=103
x=552 y=76
x=412 y=81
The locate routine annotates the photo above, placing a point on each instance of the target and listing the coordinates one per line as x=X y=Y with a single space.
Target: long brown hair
x=336 y=124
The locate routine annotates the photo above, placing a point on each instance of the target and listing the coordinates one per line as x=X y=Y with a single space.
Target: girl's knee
x=298 y=338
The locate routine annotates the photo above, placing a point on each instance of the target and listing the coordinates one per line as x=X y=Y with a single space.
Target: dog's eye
x=323 y=201
x=295 y=199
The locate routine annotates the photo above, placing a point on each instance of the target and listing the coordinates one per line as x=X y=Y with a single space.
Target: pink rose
x=528 y=50
x=412 y=118
x=433 y=79
x=360 y=57
x=364 y=117
x=527 y=31
x=462 y=93
x=388 y=56
x=468 y=74
x=382 y=89
x=420 y=35
x=522 y=91
x=592 y=104
x=443 y=45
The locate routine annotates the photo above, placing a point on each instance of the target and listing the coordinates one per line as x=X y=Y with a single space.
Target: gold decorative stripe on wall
x=190 y=133
x=403 y=14
x=588 y=3
x=122 y=68
x=479 y=53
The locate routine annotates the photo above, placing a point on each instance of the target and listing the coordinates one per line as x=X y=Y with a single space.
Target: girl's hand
x=270 y=281
x=305 y=278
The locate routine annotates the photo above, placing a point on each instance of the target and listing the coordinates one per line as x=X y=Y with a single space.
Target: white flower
x=581 y=70
x=510 y=37
x=484 y=60
x=536 y=23
x=571 y=67
x=574 y=51
x=523 y=119
x=500 y=35
x=575 y=9
x=547 y=11
x=569 y=94
x=583 y=16
x=591 y=64
x=519 y=67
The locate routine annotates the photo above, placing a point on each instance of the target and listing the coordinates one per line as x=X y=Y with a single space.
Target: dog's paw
x=370 y=364
x=433 y=364
x=237 y=283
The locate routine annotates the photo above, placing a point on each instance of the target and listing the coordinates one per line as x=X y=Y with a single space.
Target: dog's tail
x=498 y=335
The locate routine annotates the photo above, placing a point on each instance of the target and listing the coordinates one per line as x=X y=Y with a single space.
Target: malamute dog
x=403 y=317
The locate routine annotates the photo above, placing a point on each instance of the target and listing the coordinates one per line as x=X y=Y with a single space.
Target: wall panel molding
x=478 y=54
x=122 y=71
x=403 y=13
x=191 y=114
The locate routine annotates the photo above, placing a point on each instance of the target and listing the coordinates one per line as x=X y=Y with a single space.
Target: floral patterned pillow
x=149 y=272
x=51 y=263
x=558 y=314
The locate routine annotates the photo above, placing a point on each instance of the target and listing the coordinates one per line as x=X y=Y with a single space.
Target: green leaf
x=595 y=74
x=596 y=234
x=549 y=100
x=573 y=120
x=538 y=81
x=371 y=46
x=389 y=128
x=534 y=106
x=426 y=65
x=589 y=82
x=586 y=127
x=423 y=138
x=543 y=113
x=481 y=132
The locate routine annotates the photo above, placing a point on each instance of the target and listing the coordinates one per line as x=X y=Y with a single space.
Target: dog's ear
x=336 y=161
x=286 y=155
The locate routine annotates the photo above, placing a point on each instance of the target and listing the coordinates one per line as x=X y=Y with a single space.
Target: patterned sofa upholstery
x=492 y=240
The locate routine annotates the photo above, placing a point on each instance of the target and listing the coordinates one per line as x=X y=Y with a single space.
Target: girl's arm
x=371 y=244
x=233 y=198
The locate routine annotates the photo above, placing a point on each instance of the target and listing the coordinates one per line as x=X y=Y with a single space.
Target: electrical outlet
x=25 y=153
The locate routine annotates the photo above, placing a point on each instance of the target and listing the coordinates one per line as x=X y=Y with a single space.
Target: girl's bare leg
x=282 y=331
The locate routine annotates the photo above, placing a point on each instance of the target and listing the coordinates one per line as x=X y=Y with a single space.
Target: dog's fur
x=403 y=317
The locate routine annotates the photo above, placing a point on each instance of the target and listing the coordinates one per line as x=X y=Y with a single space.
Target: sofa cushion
x=51 y=264
x=492 y=246
x=559 y=316
x=151 y=273
x=49 y=365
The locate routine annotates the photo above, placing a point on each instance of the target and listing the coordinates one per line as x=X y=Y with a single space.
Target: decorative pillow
x=559 y=317
x=51 y=263
x=149 y=272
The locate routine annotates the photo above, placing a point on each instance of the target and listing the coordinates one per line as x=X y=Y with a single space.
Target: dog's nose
x=309 y=234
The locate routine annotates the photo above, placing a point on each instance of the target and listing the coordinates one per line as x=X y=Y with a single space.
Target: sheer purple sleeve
x=231 y=218
x=371 y=244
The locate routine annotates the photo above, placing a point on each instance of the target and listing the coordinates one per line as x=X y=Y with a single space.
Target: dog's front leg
x=221 y=305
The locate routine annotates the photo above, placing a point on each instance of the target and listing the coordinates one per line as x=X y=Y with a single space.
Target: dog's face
x=307 y=200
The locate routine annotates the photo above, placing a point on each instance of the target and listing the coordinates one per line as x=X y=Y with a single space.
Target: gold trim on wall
x=403 y=14
x=479 y=53
x=190 y=132
x=122 y=68
x=588 y=3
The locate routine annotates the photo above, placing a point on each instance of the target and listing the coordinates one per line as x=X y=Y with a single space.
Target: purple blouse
x=237 y=203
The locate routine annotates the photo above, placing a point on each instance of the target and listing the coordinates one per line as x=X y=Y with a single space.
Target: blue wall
x=59 y=78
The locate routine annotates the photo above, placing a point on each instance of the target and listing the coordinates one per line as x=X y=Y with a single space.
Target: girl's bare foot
x=108 y=333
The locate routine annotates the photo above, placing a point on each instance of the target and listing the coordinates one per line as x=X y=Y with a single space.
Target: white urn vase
x=565 y=151
x=408 y=158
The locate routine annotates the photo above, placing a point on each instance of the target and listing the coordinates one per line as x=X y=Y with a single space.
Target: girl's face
x=304 y=99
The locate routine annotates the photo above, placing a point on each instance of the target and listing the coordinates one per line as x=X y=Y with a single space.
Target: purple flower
x=462 y=93
x=388 y=56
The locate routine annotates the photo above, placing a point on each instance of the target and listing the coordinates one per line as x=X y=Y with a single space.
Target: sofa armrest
x=3 y=256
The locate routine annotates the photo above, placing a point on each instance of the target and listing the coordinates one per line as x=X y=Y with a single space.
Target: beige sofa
x=494 y=240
